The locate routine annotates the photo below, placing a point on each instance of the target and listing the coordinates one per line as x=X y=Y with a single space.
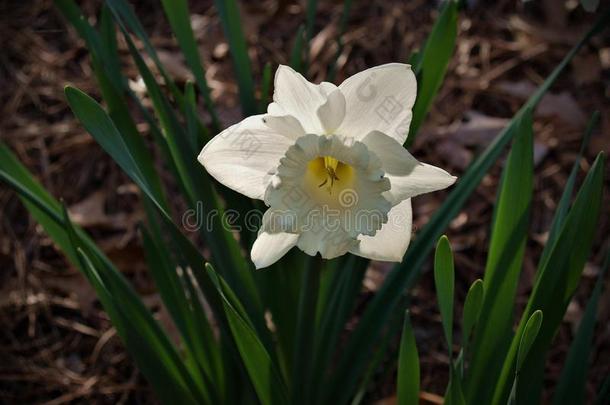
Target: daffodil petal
x=380 y=98
x=286 y=125
x=408 y=177
x=242 y=156
x=295 y=96
x=391 y=242
x=326 y=239
x=268 y=248
x=332 y=112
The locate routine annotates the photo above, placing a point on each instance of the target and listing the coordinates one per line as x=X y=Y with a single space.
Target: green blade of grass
x=504 y=261
x=332 y=72
x=432 y=63
x=570 y=389
x=124 y=15
x=302 y=371
x=343 y=292
x=232 y=25
x=310 y=20
x=444 y=277
x=296 y=55
x=530 y=332
x=17 y=175
x=263 y=372
x=472 y=309
x=603 y=393
x=150 y=347
x=181 y=298
x=178 y=15
x=358 y=348
x=566 y=196
x=408 y=367
x=455 y=393
x=554 y=287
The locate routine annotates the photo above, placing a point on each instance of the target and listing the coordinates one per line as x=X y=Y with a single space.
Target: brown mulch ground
x=57 y=346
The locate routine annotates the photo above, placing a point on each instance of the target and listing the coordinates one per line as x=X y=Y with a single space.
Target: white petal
x=332 y=112
x=268 y=248
x=327 y=87
x=408 y=177
x=391 y=241
x=295 y=96
x=241 y=156
x=327 y=239
x=380 y=99
x=285 y=124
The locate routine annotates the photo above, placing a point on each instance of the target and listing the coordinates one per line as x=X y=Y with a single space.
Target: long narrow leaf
x=232 y=25
x=178 y=15
x=444 y=278
x=408 y=366
x=263 y=372
x=570 y=389
x=432 y=63
x=504 y=260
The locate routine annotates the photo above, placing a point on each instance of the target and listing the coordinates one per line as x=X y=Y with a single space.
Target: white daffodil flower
x=329 y=163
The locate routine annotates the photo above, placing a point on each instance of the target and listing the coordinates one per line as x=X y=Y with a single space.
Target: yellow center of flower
x=329 y=174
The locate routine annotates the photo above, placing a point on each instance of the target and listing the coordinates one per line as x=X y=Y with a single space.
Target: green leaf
x=530 y=332
x=296 y=55
x=504 y=261
x=126 y=18
x=455 y=393
x=263 y=372
x=408 y=366
x=432 y=63
x=570 y=389
x=179 y=18
x=152 y=350
x=98 y=124
x=310 y=20
x=231 y=23
x=444 y=278
x=603 y=394
x=181 y=297
x=566 y=197
x=342 y=294
x=332 y=72
x=302 y=372
x=555 y=287
x=358 y=348
x=472 y=309
x=46 y=212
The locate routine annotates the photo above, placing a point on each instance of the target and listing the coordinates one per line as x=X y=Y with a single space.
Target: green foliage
x=444 y=278
x=274 y=334
x=408 y=367
x=430 y=64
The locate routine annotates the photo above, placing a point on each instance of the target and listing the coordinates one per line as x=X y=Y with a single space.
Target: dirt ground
x=57 y=345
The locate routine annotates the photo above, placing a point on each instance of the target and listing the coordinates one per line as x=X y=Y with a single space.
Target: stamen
x=330 y=165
